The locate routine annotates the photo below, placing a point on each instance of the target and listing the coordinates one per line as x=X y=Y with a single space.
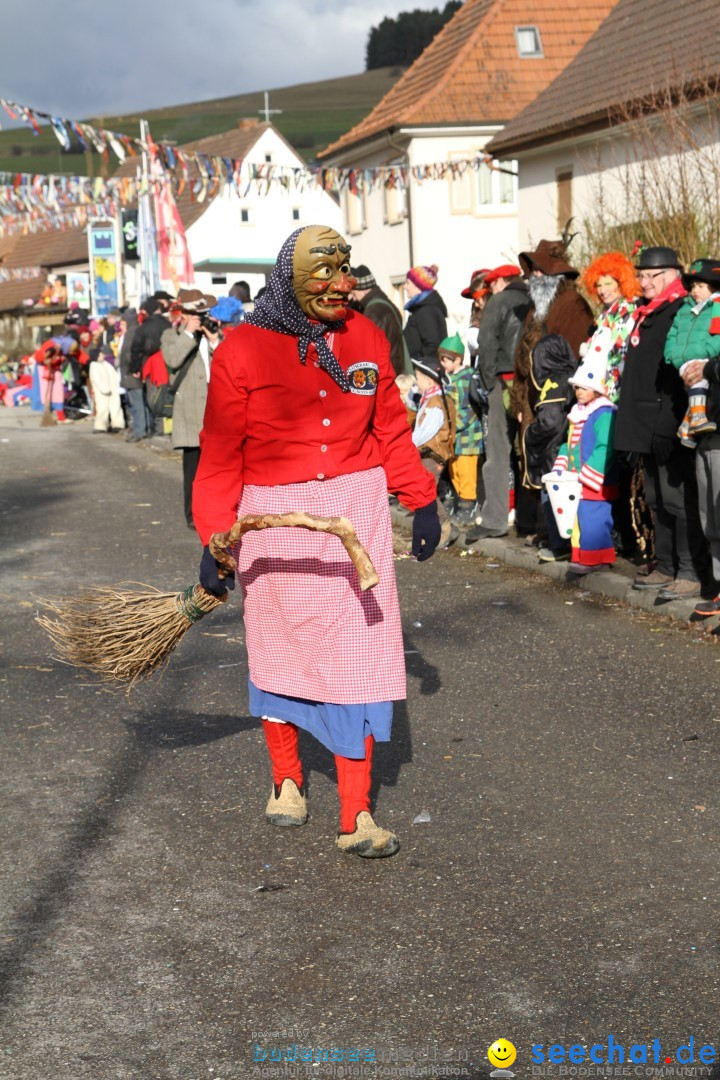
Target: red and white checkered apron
x=311 y=632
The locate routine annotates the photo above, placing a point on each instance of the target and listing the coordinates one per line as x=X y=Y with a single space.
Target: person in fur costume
x=558 y=308
x=553 y=363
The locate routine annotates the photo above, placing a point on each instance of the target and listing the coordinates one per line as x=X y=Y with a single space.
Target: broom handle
x=221 y=543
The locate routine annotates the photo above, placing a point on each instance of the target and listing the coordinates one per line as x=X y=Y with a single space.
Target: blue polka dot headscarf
x=278 y=310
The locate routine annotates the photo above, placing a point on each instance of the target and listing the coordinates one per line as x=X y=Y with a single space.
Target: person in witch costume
x=303 y=414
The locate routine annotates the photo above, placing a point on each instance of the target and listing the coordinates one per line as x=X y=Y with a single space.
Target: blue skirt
x=341 y=728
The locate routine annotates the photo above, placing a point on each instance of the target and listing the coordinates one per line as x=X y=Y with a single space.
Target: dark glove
x=210 y=578
x=426 y=531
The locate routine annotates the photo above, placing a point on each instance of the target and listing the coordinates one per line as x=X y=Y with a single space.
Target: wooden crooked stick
x=221 y=543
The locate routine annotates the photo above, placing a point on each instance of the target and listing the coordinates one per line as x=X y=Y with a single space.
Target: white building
x=623 y=156
x=489 y=61
x=238 y=234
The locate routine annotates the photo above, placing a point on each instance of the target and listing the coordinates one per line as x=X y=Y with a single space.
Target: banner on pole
x=130 y=235
x=103 y=266
x=173 y=253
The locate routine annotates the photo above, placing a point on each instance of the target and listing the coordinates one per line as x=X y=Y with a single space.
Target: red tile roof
x=13 y=293
x=471 y=73
x=47 y=247
x=639 y=50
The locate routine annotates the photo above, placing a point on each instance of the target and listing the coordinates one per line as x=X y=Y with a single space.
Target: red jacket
x=272 y=420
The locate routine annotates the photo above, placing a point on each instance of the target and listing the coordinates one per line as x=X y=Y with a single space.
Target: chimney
x=247 y=122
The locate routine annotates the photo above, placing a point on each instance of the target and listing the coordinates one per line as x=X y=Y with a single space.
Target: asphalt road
x=564 y=889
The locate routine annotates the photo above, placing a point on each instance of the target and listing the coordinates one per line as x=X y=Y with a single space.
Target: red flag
x=174 y=259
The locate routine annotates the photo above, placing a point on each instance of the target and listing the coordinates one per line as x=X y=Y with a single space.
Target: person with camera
x=187 y=348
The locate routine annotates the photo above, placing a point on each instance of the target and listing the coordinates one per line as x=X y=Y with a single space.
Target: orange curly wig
x=612 y=264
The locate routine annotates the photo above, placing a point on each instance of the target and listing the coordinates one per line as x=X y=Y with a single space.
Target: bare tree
x=665 y=191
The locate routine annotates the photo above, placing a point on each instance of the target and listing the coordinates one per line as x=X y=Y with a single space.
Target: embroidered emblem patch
x=363 y=377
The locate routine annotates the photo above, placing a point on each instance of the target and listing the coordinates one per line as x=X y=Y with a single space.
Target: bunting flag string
x=29 y=202
x=201 y=178
x=24 y=273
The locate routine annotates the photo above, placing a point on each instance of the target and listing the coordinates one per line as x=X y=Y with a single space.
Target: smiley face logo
x=501 y=1054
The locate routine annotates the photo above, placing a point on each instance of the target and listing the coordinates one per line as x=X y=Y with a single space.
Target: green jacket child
x=695 y=335
x=469 y=440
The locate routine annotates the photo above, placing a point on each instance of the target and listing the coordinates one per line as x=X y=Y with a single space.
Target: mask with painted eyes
x=321 y=273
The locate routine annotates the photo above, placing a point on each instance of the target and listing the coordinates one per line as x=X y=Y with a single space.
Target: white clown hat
x=593 y=371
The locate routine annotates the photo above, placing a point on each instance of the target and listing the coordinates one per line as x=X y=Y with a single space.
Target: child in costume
x=303 y=414
x=434 y=431
x=589 y=451
x=469 y=444
x=695 y=335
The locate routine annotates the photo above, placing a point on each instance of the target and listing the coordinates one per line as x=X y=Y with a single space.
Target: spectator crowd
x=592 y=394
x=580 y=408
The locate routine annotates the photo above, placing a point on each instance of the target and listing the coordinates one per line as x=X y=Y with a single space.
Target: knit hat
x=593 y=372
x=363 y=277
x=429 y=366
x=452 y=346
x=424 y=277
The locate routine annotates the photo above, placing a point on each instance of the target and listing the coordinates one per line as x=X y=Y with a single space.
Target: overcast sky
x=86 y=59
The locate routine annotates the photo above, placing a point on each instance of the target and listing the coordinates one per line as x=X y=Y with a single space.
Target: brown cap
x=550 y=257
x=194 y=302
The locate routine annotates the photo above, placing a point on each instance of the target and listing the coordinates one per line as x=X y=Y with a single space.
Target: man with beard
x=303 y=414
x=558 y=308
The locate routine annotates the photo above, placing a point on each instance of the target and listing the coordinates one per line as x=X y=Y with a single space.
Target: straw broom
x=125 y=635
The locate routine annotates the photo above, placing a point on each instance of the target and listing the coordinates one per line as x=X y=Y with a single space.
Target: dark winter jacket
x=711 y=372
x=146 y=341
x=127 y=380
x=552 y=364
x=426 y=326
x=380 y=309
x=499 y=332
x=653 y=399
x=569 y=315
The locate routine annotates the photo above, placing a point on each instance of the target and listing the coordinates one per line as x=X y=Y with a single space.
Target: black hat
x=150 y=305
x=160 y=294
x=707 y=270
x=429 y=366
x=658 y=258
x=363 y=277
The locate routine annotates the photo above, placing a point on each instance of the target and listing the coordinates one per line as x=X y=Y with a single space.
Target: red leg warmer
x=282 y=744
x=354 y=785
